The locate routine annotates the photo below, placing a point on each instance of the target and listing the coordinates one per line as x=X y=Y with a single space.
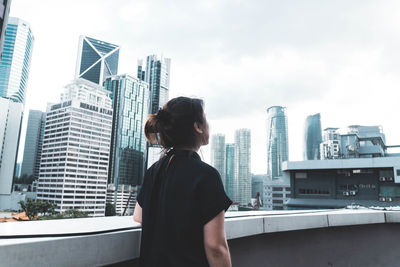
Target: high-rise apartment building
x=130 y=98
x=96 y=60
x=230 y=171
x=277 y=140
x=218 y=155
x=33 y=143
x=10 y=125
x=312 y=137
x=157 y=75
x=243 y=166
x=76 y=149
x=16 y=59
x=4 y=12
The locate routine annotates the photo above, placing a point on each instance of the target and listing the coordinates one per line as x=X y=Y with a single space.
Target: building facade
x=277 y=193
x=230 y=171
x=33 y=143
x=277 y=140
x=16 y=60
x=320 y=184
x=76 y=149
x=312 y=137
x=359 y=171
x=96 y=60
x=218 y=154
x=10 y=125
x=355 y=141
x=4 y=12
x=130 y=98
x=157 y=75
x=243 y=166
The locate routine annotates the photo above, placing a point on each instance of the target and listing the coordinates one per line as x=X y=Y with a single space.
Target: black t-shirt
x=179 y=195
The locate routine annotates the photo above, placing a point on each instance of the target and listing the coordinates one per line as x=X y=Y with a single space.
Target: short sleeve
x=142 y=192
x=213 y=197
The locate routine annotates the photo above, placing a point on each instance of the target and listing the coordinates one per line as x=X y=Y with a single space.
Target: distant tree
x=110 y=209
x=75 y=213
x=34 y=207
x=30 y=208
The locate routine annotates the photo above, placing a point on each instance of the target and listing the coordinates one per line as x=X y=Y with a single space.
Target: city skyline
x=309 y=72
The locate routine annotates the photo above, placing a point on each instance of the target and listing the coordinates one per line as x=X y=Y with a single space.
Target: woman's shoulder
x=207 y=170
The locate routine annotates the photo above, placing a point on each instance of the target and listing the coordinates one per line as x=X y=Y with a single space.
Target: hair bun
x=163 y=115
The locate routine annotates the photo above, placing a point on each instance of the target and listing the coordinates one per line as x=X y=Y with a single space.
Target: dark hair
x=173 y=125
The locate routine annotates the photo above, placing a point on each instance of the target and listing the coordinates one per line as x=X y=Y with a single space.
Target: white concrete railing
x=108 y=240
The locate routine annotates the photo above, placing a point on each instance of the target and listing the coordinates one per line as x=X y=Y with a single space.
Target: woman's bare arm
x=137 y=214
x=215 y=243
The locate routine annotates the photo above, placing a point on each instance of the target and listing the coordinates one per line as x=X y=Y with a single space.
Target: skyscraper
x=230 y=171
x=243 y=166
x=76 y=149
x=96 y=60
x=16 y=59
x=312 y=137
x=130 y=98
x=218 y=155
x=4 y=12
x=157 y=75
x=33 y=143
x=277 y=142
x=10 y=125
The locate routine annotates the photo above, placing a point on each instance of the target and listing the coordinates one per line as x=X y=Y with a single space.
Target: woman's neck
x=195 y=149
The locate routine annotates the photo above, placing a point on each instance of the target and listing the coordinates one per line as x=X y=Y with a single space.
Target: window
x=300 y=175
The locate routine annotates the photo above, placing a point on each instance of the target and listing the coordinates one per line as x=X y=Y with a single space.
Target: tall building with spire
x=277 y=140
x=243 y=166
x=16 y=60
x=96 y=60
x=312 y=137
x=218 y=155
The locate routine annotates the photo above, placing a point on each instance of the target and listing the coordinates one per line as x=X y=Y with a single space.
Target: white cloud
x=340 y=58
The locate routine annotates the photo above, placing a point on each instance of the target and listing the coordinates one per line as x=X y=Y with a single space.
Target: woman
x=182 y=202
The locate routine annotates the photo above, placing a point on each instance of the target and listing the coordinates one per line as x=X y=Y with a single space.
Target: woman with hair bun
x=182 y=202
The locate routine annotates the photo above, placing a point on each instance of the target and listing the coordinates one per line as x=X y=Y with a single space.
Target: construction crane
x=129 y=199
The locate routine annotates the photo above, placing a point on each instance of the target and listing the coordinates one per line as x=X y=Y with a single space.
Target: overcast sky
x=339 y=58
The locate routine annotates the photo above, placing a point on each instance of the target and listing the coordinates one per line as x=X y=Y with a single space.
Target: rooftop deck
x=276 y=238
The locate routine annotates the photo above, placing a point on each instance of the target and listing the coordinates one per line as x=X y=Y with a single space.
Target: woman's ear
x=197 y=128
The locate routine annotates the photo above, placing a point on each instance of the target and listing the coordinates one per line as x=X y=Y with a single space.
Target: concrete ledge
x=294 y=222
x=240 y=227
x=356 y=218
x=93 y=250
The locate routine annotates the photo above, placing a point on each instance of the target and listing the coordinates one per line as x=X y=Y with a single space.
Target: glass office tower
x=33 y=143
x=230 y=171
x=16 y=60
x=4 y=12
x=130 y=98
x=312 y=137
x=157 y=75
x=96 y=60
x=277 y=142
